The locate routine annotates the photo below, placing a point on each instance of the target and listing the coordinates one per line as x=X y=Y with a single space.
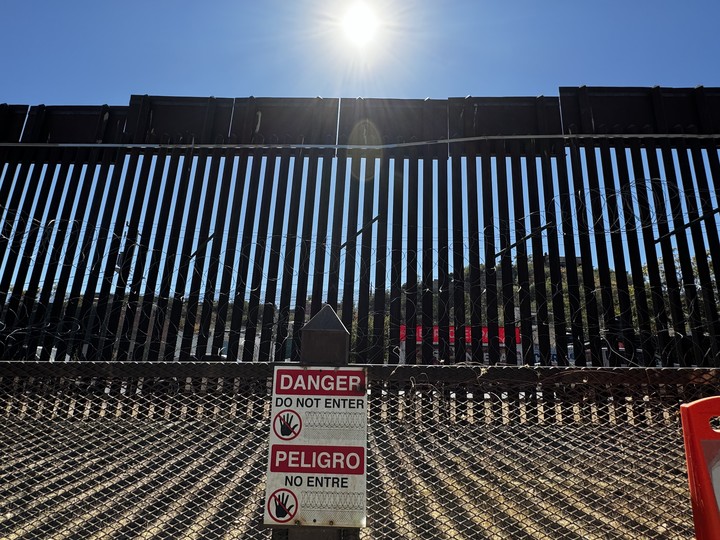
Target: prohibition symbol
x=287 y=424
x=282 y=505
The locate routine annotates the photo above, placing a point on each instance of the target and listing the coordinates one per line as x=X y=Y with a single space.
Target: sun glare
x=360 y=24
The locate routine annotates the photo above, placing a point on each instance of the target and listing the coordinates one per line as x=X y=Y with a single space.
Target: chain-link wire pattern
x=88 y=451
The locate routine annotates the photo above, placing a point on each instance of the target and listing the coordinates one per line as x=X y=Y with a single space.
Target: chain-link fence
x=179 y=451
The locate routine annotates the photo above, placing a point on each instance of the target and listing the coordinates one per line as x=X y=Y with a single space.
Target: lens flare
x=360 y=24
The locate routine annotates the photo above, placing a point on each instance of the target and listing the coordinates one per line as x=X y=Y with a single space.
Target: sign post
x=317 y=459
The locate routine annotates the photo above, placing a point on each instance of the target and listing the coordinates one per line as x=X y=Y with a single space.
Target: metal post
x=324 y=342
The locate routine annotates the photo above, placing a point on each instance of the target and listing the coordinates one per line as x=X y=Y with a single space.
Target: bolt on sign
x=317 y=465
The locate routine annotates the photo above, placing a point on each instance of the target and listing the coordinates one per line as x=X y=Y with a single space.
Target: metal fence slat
x=443 y=259
x=557 y=290
x=258 y=262
x=428 y=260
x=269 y=309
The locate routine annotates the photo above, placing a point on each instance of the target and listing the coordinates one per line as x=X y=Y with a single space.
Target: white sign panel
x=317 y=464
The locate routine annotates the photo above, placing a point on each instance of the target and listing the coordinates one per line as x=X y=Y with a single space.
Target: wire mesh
x=179 y=451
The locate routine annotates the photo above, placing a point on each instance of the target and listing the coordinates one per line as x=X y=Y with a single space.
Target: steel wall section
x=289 y=262
x=147 y=309
x=24 y=241
x=702 y=268
x=708 y=217
x=122 y=298
x=12 y=164
x=269 y=309
x=567 y=223
x=378 y=339
x=15 y=214
x=443 y=256
x=349 y=247
x=336 y=238
x=100 y=343
x=37 y=295
x=258 y=262
x=223 y=300
x=396 y=253
x=172 y=120
x=668 y=258
x=137 y=246
x=557 y=292
x=74 y=338
x=198 y=255
x=74 y=124
x=48 y=310
x=504 y=254
x=12 y=120
x=365 y=228
x=162 y=230
x=308 y=218
x=475 y=236
x=680 y=236
x=222 y=172
x=243 y=265
x=487 y=196
x=523 y=274
x=428 y=260
x=321 y=237
x=588 y=278
x=458 y=258
x=623 y=316
x=659 y=310
x=189 y=214
x=411 y=267
x=157 y=343
x=637 y=274
x=607 y=300
x=538 y=255
x=712 y=219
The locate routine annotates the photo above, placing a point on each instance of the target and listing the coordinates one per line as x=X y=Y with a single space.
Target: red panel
x=468 y=334
x=319 y=382
x=702 y=452
x=306 y=459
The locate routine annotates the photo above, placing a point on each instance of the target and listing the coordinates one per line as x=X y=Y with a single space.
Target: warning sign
x=282 y=505
x=287 y=424
x=287 y=458
x=317 y=462
x=319 y=382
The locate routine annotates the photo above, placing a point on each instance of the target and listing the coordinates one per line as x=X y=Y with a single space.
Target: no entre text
x=318 y=481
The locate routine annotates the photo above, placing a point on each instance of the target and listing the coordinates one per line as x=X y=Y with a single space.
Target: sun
x=360 y=25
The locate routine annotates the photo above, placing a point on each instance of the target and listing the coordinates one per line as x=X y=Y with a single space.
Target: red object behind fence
x=702 y=452
x=468 y=334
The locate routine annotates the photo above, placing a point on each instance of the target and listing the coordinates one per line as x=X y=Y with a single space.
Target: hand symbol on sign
x=286 y=425
x=281 y=506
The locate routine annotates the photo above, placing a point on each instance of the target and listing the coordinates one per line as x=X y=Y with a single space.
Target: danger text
x=319 y=382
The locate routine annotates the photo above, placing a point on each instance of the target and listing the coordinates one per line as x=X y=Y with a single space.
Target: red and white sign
x=308 y=459
x=317 y=462
x=287 y=424
x=318 y=382
x=282 y=505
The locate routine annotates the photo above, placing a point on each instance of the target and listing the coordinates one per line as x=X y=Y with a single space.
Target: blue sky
x=93 y=52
